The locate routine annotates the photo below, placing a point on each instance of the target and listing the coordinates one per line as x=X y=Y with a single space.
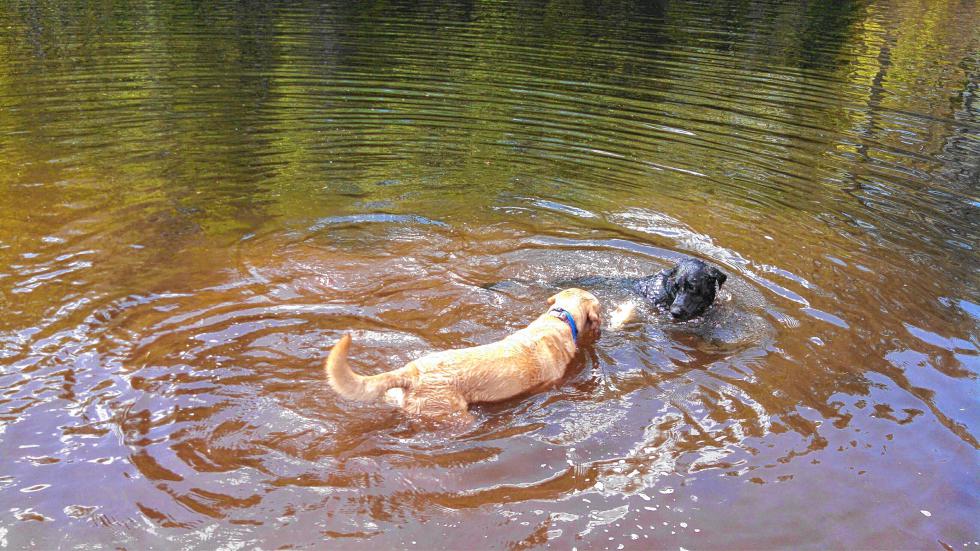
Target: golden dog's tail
x=352 y=386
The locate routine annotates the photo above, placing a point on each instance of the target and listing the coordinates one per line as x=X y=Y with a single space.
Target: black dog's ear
x=718 y=275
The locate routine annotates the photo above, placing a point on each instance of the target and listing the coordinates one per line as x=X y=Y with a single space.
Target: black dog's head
x=690 y=288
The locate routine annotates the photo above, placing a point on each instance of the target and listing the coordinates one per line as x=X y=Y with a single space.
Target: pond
x=197 y=199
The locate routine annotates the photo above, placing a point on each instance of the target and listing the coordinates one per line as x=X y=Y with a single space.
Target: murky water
x=198 y=199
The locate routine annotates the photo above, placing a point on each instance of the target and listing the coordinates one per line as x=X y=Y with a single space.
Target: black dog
x=686 y=290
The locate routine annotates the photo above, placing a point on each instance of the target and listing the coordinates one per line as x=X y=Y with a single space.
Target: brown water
x=198 y=199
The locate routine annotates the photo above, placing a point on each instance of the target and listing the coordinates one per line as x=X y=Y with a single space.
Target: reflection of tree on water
x=260 y=71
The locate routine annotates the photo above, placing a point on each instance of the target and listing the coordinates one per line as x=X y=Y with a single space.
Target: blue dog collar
x=564 y=315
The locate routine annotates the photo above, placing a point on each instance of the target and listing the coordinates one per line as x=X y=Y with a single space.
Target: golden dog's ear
x=593 y=315
x=552 y=299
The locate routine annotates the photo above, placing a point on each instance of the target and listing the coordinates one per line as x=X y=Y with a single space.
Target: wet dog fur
x=686 y=290
x=445 y=383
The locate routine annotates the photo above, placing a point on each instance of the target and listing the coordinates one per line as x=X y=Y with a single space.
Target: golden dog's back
x=447 y=382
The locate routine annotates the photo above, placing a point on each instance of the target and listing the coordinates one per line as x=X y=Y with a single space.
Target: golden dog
x=444 y=383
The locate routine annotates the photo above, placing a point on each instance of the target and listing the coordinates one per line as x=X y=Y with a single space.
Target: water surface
x=198 y=199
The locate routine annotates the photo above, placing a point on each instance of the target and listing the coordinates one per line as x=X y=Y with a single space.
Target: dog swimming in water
x=446 y=383
x=685 y=291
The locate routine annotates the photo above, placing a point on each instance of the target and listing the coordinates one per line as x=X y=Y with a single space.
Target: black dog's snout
x=676 y=312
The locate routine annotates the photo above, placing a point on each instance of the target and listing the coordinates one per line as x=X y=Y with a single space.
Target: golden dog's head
x=584 y=307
